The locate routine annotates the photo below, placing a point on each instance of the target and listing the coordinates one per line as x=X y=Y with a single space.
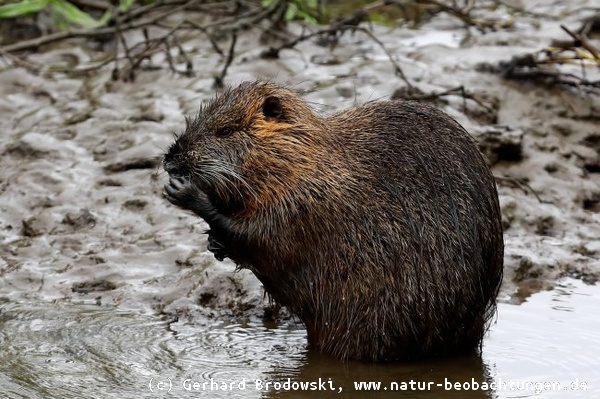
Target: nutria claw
x=174 y=188
x=181 y=192
x=217 y=248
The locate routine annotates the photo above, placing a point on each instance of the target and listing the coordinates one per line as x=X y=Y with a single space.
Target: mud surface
x=87 y=238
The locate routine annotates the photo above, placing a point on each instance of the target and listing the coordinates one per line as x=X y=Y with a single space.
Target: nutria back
x=379 y=226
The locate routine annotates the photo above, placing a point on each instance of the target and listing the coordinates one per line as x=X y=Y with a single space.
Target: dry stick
x=146 y=53
x=34 y=68
x=194 y=25
x=553 y=77
x=169 y=57
x=202 y=29
x=399 y=72
x=219 y=79
x=151 y=45
x=189 y=69
x=528 y=68
x=522 y=184
x=460 y=89
x=273 y=52
x=189 y=65
x=121 y=38
x=151 y=48
x=584 y=41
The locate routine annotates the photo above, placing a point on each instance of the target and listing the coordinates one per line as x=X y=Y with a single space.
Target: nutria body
x=379 y=226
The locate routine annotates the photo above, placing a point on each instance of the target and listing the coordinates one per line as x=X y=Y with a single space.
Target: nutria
x=379 y=226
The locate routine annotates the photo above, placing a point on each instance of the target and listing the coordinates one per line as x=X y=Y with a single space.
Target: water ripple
x=61 y=350
x=69 y=350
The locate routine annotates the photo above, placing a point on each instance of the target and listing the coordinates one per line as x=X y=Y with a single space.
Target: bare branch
x=219 y=80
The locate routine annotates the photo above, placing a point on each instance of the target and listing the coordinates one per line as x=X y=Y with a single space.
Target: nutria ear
x=272 y=107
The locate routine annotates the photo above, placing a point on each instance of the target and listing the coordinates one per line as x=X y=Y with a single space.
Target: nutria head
x=247 y=147
x=379 y=226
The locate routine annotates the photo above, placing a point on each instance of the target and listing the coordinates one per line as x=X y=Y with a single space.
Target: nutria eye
x=224 y=132
x=272 y=107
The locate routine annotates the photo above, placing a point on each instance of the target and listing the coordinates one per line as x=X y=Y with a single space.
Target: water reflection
x=432 y=379
x=58 y=350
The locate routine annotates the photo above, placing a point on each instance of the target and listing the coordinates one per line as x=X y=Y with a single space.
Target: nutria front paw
x=181 y=192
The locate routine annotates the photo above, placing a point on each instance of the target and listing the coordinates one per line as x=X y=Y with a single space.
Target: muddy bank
x=82 y=217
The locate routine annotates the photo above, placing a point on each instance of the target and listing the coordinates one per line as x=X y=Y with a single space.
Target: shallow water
x=56 y=350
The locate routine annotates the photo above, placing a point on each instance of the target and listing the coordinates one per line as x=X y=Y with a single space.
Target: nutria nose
x=172 y=168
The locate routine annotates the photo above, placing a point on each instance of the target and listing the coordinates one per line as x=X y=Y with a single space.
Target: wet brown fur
x=379 y=226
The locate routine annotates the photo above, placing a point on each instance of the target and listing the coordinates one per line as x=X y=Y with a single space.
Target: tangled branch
x=163 y=30
x=542 y=66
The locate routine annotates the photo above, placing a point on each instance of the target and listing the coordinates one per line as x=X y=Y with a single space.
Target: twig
x=550 y=77
x=456 y=90
x=210 y=38
x=335 y=29
x=531 y=66
x=582 y=39
x=121 y=38
x=398 y=71
x=219 y=80
x=189 y=71
x=522 y=184
x=189 y=65
x=34 y=68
